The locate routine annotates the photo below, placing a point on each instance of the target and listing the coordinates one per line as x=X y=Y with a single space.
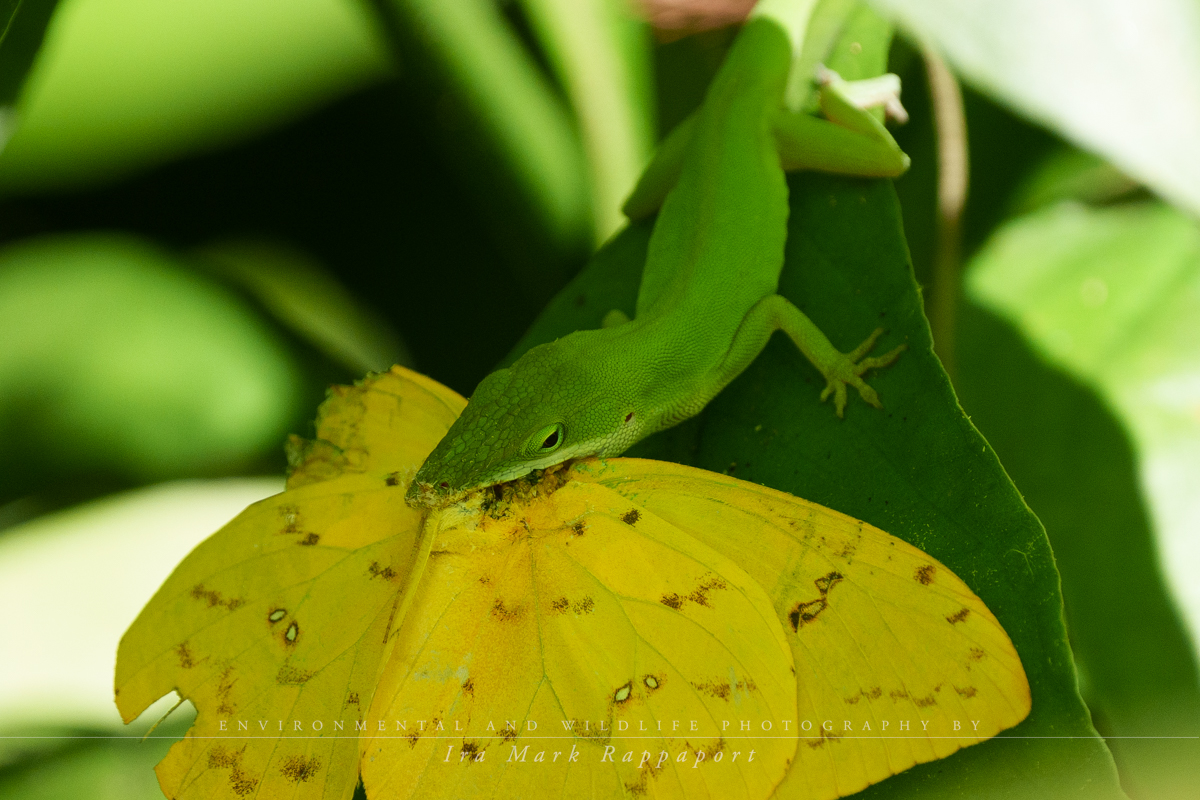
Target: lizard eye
x=548 y=439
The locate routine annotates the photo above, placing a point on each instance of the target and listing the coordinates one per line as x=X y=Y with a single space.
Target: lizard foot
x=849 y=369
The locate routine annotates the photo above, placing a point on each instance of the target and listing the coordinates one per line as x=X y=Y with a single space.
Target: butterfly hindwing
x=892 y=650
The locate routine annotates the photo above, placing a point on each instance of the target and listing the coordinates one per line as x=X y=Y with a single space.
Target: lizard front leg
x=775 y=313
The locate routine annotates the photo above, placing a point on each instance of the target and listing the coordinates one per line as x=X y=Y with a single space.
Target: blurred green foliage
x=210 y=210
x=22 y=28
x=121 y=360
x=125 y=84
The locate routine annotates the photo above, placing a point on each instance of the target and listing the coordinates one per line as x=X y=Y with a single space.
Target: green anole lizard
x=707 y=303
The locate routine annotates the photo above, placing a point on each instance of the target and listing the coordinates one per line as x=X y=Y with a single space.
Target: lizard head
x=558 y=401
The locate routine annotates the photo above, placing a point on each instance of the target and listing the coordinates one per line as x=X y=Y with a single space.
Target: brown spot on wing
x=874 y=693
x=723 y=689
x=299 y=769
x=638 y=788
x=290 y=676
x=376 y=571
x=239 y=782
x=699 y=595
x=958 y=616
x=823 y=737
x=709 y=750
x=214 y=598
x=584 y=606
x=926 y=701
x=224 y=690
x=221 y=758
x=499 y=611
x=560 y=605
x=393 y=479
x=924 y=574
x=631 y=516
x=468 y=687
x=185 y=655
x=579 y=527
x=672 y=600
x=309 y=540
x=807 y=611
x=966 y=691
x=826 y=582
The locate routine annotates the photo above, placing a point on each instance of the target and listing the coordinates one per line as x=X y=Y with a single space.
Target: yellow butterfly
x=608 y=628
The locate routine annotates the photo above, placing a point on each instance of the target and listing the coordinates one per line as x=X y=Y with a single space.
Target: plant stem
x=953 y=170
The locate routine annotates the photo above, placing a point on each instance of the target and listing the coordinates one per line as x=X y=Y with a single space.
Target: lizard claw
x=849 y=369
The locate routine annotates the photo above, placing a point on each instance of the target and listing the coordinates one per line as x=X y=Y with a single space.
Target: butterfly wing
x=898 y=662
x=276 y=624
x=574 y=645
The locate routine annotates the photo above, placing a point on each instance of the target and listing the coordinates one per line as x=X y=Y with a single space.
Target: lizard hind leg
x=835 y=384
x=839 y=369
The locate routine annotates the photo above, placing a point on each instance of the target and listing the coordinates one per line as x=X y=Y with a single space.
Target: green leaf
x=1083 y=338
x=918 y=469
x=119 y=361
x=1116 y=77
x=125 y=84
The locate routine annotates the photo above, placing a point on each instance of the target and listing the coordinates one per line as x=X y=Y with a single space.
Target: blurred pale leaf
x=122 y=84
x=1112 y=298
x=1120 y=77
x=71 y=581
x=117 y=359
